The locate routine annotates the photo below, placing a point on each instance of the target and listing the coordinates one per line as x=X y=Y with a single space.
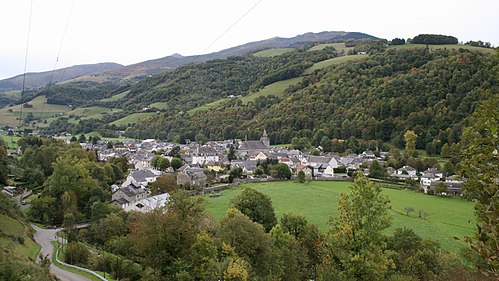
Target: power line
x=25 y=66
x=58 y=54
x=227 y=30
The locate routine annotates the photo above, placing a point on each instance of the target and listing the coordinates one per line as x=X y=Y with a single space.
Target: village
x=217 y=165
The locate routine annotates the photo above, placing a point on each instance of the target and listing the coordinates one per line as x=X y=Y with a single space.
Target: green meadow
x=446 y=217
x=272 y=52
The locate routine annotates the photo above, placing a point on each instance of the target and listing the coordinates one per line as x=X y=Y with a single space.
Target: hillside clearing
x=439 y=47
x=116 y=97
x=446 y=217
x=272 y=52
x=10 y=118
x=333 y=61
x=338 y=46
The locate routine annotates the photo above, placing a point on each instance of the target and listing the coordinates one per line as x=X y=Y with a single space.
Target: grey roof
x=251 y=145
x=141 y=175
x=319 y=159
x=205 y=150
x=121 y=201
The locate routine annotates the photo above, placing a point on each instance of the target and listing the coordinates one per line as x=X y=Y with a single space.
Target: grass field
x=9 y=118
x=91 y=112
x=133 y=118
x=272 y=52
x=338 y=46
x=449 y=47
x=116 y=97
x=333 y=61
x=318 y=201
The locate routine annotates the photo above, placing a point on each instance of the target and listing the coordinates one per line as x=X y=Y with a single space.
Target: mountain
x=154 y=66
x=40 y=79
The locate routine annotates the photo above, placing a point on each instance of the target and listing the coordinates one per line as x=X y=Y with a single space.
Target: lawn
x=133 y=118
x=272 y=52
x=318 y=201
x=333 y=61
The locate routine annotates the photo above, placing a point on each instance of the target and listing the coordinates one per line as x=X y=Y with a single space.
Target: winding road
x=44 y=237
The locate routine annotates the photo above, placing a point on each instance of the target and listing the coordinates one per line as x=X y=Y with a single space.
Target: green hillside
x=9 y=114
x=375 y=97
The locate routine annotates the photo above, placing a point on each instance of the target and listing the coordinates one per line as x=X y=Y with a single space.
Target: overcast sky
x=128 y=32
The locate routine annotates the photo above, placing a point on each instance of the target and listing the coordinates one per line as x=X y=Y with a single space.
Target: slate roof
x=141 y=175
x=252 y=145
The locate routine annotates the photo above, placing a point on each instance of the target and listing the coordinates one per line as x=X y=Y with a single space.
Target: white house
x=204 y=154
x=149 y=204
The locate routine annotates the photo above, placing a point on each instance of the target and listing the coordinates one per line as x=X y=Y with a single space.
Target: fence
x=77 y=267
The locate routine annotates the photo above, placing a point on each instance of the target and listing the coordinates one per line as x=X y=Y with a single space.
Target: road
x=44 y=237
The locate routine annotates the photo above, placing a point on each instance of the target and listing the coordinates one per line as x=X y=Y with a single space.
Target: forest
x=379 y=98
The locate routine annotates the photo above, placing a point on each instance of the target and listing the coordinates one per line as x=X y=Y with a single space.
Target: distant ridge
x=40 y=79
x=171 y=62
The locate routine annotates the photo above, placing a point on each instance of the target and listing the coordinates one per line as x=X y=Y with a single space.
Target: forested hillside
x=430 y=92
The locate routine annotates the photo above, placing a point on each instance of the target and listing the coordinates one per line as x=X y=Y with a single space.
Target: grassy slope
x=159 y=105
x=272 y=52
x=449 y=47
x=10 y=226
x=318 y=201
x=133 y=118
x=95 y=112
x=333 y=61
x=9 y=118
x=116 y=97
x=338 y=46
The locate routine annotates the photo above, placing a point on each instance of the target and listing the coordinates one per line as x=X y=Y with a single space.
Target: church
x=252 y=148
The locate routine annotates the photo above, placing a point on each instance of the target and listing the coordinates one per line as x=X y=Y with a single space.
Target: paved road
x=44 y=237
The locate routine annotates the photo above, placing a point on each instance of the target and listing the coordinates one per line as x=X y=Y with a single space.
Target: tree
x=441 y=188
x=4 y=170
x=164 y=183
x=232 y=153
x=480 y=165
x=376 y=171
x=163 y=163
x=408 y=210
x=280 y=171
x=326 y=144
x=301 y=176
x=82 y=138
x=257 y=206
x=356 y=240
x=201 y=139
x=410 y=138
x=176 y=163
x=249 y=241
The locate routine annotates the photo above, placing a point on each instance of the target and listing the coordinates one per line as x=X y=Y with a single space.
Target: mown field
x=449 y=47
x=333 y=61
x=318 y=202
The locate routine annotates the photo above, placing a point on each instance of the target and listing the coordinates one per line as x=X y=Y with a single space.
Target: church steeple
x=265 y=138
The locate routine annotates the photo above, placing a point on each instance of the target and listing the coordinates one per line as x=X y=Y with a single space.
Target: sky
x=63 y=33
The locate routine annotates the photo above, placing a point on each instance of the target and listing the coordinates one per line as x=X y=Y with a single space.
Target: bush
x=76 y=253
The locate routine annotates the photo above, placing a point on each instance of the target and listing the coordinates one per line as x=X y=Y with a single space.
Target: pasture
x=272 y=52
x=338 y=46
x=445 y=219
x=116 y=97
x=9 y=114
x=449 y=47
x=333 y=61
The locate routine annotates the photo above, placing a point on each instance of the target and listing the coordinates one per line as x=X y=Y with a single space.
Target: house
x=143 y=177
x=321 y=165
x=9 y=191
x=407 y=170
x=453 y=188
x=128 y=194
x=203 y=154
x=307 y=170
x=191 y=177
x=368 y=154
x=248 y=167
x=214 y=166
x=149 y=204
x=429 y=176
